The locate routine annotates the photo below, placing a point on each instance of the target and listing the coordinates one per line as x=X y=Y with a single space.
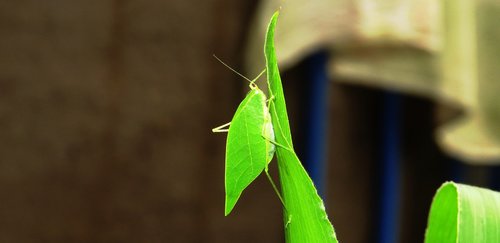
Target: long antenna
x=239 y=74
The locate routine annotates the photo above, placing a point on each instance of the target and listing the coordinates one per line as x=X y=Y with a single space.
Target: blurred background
x=106 y=110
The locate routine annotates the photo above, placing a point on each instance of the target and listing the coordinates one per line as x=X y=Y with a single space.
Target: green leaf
x=465 y=214
x=305 y=216
x=246 y=150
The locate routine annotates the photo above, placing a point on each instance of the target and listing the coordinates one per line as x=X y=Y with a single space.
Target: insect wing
x=245 y=149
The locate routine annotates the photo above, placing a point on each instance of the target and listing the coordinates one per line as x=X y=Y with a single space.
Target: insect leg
x=289 y=221
x=277 y=144
x=272 y=140
x=269 y=100
x=221 y=128
x=275 y=188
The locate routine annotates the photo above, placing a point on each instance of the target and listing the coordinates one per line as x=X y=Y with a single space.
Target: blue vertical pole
x=314 y=154
x=390 y=167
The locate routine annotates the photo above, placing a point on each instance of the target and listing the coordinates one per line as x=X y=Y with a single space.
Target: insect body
x=250 y=143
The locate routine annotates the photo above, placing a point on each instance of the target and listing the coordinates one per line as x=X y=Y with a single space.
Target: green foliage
x=465 y=214
x=306 y=219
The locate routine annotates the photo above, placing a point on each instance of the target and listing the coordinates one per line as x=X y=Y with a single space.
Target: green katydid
x=250 y=143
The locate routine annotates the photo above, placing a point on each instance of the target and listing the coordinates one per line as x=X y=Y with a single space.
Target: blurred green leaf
x=465 y=214
x=305 y=216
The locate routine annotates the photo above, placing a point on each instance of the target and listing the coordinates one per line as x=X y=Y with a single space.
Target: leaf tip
x=228 y=208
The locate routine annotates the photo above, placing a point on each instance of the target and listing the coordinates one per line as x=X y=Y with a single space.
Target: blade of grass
x=305 y=217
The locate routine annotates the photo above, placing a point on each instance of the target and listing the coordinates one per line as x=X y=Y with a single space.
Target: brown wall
x=105 y=115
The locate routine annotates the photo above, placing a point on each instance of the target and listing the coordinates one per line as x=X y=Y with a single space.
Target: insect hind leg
x=276 y=189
